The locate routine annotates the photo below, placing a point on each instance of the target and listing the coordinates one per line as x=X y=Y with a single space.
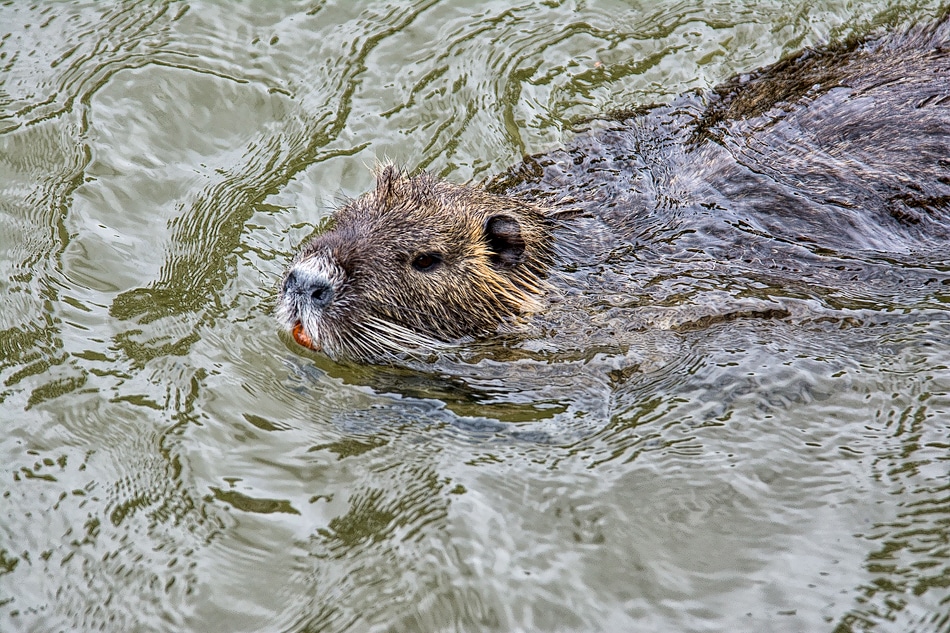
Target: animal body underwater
x=819 y=171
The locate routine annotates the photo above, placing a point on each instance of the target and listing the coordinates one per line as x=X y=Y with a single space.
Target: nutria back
x=847 y=147
x=778 y=176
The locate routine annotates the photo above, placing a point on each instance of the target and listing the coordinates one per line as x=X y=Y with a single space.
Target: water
x=169 y=464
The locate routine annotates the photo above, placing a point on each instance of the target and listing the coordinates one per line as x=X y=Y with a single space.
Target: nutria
x=836 y=150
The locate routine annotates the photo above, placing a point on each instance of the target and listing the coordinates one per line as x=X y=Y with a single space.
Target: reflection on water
x=170 y=464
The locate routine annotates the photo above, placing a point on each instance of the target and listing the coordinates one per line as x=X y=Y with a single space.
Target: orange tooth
x=301 y=336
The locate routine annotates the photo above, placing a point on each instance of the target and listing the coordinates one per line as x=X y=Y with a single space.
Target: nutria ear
x=384 y=183
x=503 y=234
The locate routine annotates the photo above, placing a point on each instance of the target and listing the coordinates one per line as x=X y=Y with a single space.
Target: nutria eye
x=426 y=262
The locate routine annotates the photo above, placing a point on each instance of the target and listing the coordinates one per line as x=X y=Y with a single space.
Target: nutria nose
x=309 y=286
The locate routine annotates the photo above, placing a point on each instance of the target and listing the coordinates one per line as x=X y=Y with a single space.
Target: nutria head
x=412 y=265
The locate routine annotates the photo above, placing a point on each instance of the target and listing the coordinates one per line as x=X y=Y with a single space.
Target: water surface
x=168 y=463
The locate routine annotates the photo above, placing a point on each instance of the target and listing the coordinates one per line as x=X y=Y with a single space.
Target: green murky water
x=168 y=464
